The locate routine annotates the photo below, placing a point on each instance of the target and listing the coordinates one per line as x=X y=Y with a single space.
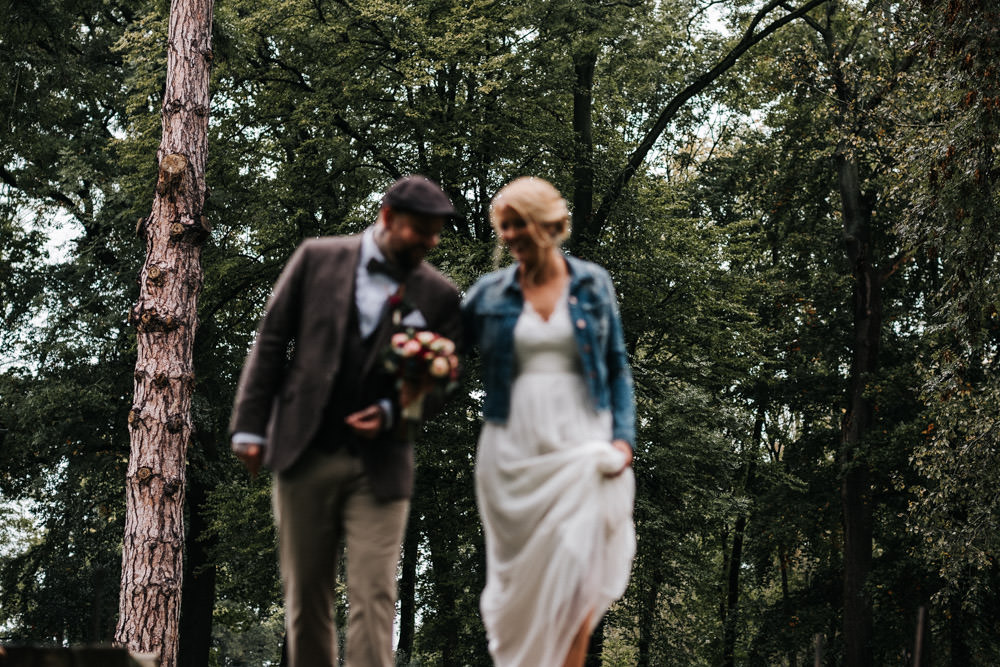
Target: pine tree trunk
x=165 y=317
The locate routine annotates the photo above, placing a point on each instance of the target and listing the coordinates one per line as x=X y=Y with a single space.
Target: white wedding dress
x=559 y=532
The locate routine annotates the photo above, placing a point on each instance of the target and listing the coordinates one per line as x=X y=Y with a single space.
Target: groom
x=315 y=405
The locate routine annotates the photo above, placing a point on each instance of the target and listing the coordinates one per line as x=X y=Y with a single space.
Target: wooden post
x=165 y=317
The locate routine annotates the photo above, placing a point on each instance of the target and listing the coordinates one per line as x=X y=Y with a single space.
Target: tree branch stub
x=172 y=168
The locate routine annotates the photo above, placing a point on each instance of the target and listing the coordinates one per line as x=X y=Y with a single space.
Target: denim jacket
x=490 y=311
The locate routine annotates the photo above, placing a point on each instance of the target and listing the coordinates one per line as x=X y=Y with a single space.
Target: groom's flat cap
x=419 y=194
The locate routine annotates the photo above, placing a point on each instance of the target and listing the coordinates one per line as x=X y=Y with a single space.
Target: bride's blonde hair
x=539 y=204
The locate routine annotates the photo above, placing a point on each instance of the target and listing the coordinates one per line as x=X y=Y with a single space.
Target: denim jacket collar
x=578 y=275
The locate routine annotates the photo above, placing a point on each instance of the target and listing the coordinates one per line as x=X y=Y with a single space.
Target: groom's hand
x=250 y=453
x=366 y=423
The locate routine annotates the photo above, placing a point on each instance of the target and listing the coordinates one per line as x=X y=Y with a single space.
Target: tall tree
x=166 y=320
x=843 y=55
x=949 y=155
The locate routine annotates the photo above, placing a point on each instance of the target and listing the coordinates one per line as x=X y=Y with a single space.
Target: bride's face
x=517 y=237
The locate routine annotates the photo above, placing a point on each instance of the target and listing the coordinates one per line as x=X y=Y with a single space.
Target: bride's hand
x=625 y=449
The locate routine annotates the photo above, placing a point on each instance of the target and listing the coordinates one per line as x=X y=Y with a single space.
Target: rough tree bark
x=165 y=318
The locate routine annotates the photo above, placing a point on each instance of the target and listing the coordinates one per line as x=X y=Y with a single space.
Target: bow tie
x=394 y=272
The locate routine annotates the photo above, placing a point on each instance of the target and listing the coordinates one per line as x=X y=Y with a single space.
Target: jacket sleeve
x=620 y=381
x=264 y=370
x=470 y=329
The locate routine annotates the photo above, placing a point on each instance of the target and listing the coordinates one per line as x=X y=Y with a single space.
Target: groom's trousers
x=324 y=499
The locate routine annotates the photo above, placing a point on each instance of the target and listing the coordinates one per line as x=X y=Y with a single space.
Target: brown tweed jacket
x=292 y=367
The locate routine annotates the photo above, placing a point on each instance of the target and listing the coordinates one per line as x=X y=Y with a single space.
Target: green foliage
x=727 y=251
x=953 y=219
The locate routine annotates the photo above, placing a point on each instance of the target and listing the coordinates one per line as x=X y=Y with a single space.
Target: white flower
x=440 y=367
x=443 y=346
x=425 y=337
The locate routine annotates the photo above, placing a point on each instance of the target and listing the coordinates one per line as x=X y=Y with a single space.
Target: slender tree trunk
x=856 y=488
x=198 y=599
x=724 y=549
x=584 y=238
x=793 y=655
x=165 y=317
x=647 y=620
x=735 y=558
x=408 y=591
x=733 y=593
x=98 y=615
x=443 y=567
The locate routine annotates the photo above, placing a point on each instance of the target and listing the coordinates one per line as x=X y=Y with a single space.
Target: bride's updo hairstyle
x=539 y=204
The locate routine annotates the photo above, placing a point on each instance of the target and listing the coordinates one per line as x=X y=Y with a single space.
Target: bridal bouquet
x=426 y=361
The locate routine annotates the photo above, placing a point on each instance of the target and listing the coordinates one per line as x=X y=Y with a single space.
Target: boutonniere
x=399 y=306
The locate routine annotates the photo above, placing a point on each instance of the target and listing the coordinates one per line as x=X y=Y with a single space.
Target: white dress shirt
x=371 y=289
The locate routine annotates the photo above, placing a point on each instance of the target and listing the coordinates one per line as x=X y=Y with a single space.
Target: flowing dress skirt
x=559 y=532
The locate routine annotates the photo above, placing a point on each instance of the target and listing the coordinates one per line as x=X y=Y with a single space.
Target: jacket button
x=581 y=324
x=586 y=349
x=572 y=300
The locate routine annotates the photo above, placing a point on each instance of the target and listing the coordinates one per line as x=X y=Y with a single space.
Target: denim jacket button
x=581 y=324
x=572 y=300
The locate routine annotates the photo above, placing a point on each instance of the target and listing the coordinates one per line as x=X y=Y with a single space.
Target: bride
x=553 y=478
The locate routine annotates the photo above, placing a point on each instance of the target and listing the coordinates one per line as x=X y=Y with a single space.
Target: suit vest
x=350 y=390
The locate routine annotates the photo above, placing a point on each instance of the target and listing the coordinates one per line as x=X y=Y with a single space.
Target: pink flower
x=399 y=340
x=411 y=348
x=440 y=367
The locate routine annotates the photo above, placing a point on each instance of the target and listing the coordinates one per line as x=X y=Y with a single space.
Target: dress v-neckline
x=560 y=302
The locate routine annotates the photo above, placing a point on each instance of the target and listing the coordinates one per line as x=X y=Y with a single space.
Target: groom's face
x=409 y=236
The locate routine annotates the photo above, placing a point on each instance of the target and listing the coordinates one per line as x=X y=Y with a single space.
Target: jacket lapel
x=343 y=269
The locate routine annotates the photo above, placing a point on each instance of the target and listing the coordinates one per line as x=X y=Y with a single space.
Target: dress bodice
x=546 y=346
